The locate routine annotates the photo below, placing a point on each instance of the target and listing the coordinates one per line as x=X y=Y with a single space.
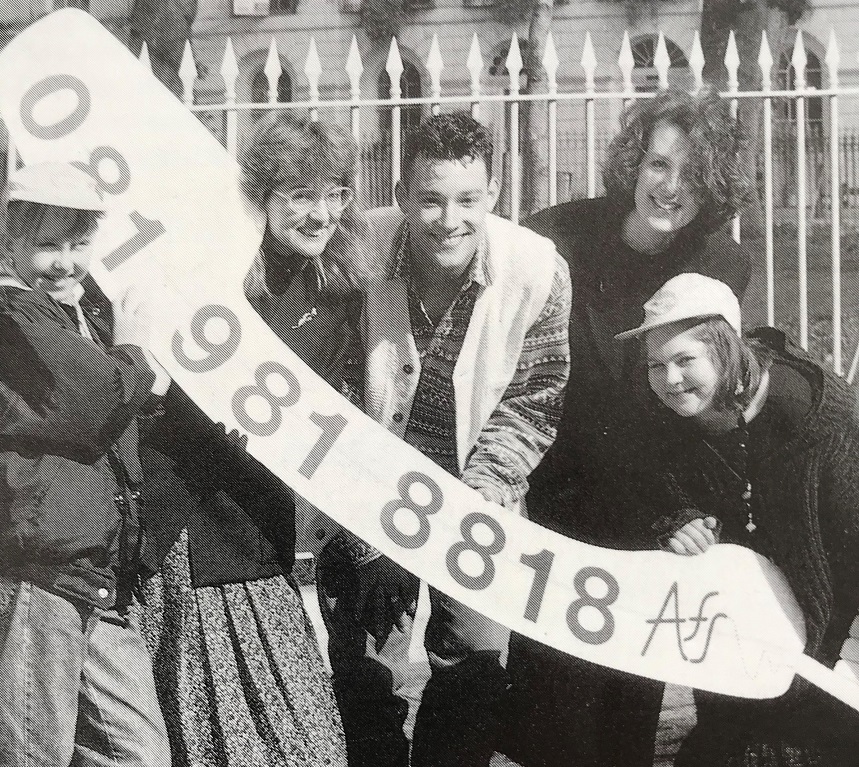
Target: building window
x=498 y=65
x=786 y=80
x=644 y=75
x=82 y=4
x=410 y=83
x=282 y=6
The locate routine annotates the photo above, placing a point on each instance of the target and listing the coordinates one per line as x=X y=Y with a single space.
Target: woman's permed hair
x=717 y=146
x=741 y=363
x=286 y=150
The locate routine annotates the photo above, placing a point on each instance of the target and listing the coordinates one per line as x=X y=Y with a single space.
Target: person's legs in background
x=459 y=719
x=366 y=680
x=562 y=710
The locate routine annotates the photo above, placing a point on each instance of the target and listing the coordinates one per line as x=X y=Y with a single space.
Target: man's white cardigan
x=521 y=267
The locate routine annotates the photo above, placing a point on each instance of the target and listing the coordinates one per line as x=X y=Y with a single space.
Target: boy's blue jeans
x=76 y=686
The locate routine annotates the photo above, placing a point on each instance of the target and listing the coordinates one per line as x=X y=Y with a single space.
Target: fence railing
x=808 y=174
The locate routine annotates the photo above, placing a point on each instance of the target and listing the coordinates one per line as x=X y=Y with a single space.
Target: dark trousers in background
x=459 y=719
x=566 y=712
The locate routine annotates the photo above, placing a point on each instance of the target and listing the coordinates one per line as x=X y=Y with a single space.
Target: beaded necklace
x=741 y=475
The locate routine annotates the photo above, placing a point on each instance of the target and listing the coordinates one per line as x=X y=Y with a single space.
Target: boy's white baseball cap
x=688 y=296
x=55 y=183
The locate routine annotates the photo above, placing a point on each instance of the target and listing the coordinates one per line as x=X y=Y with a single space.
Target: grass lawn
x=819 y=288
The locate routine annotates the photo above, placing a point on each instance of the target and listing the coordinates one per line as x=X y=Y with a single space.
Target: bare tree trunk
x=749 y=22
x=535 y=114
x=163 y=25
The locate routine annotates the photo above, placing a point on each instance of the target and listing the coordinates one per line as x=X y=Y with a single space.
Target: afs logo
x=668 y=618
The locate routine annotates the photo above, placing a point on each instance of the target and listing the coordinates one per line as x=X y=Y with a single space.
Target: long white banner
x=725 y=621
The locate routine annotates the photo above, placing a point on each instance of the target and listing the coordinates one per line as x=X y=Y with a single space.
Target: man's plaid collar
x=479 y=270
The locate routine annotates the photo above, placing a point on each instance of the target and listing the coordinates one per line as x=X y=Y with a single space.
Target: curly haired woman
x=673 y=180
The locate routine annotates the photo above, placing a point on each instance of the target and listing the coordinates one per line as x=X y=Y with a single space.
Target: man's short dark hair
x=452 y=136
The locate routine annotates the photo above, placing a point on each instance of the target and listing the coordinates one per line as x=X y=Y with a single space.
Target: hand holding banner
x=725 y=621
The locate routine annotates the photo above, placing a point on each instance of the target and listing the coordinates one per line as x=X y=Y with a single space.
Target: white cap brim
x=75 y=201
x=648 y=326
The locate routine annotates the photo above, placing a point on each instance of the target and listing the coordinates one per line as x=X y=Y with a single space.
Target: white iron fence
x=808 y=171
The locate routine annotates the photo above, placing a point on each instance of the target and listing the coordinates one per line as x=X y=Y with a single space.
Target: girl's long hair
x=286 y=149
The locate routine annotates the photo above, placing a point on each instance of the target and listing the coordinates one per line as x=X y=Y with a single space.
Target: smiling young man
x=466 y=359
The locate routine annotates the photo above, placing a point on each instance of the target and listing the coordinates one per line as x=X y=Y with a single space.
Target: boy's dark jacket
x=69 y=467
x=238 y=515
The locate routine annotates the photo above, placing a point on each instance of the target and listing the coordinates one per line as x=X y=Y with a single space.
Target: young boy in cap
x=75 y=678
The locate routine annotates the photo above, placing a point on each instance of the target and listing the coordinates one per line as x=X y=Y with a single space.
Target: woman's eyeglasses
x=302 y=200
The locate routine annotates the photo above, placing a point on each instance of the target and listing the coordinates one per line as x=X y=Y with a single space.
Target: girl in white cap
x=761 y=446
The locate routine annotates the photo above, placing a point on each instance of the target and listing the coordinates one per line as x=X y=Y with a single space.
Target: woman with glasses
x=238 y=669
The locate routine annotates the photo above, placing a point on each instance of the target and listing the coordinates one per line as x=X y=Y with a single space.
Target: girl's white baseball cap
x=688 y=296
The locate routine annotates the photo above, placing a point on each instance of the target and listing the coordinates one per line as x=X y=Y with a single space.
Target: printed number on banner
x=586 y=599
x=484 y=551
x=276 y=402
x=218 y=352
x=542 y=565
x=420 y=510
x=148 y=230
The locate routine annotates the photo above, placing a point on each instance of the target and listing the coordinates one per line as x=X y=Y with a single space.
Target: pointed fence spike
x=514 y=63
x=229 y=70
x=474 y=62
x=354 y=68
x=662 y=61
x=144 y=56
x=551 y=62
x=626 y=63
x=313 y=69
x=833 y=59
x=765 y=62
x=589 y=62
x=697 y=61
x=272 y=69
x=732 y=63
x=394 y=68
x=434 y=66
x=187 y=73
x=799 y=60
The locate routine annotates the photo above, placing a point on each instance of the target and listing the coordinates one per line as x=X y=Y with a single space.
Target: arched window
x=644 y=75
x=786 y=80
x=498 y=64
x=498 y=67
x=410 y=84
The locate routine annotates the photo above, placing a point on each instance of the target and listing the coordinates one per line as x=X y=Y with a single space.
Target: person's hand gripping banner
x=725 y=621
